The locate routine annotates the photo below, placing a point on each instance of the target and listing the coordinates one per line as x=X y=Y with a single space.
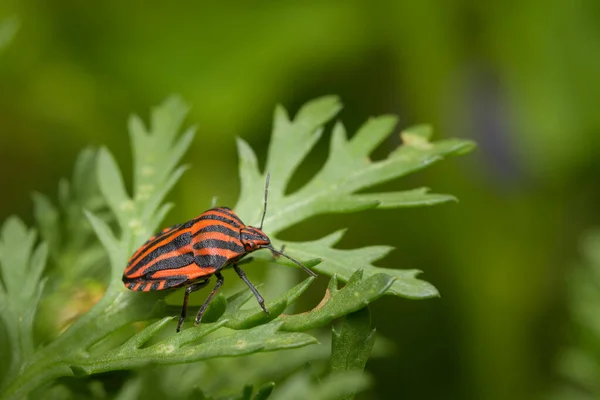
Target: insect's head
x=253 y=238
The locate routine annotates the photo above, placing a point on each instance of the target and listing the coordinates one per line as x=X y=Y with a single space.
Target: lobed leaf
x=47 y=218
x=344 y=263
x=334 y=188
x=357 y=293
x=108 y=240
x=111 y=185
x=264 y=391
x=250 y=318
x=408 y=198
x=21 y=266
x=352 y=341
x=180 y=348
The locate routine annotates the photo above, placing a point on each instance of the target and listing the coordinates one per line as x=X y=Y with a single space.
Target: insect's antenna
x=266 y=195
x=308 y=271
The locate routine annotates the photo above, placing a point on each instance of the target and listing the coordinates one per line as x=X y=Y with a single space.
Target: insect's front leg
x=259 y=298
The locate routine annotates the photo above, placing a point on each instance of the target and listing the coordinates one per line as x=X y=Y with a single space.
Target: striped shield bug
x=189 y=254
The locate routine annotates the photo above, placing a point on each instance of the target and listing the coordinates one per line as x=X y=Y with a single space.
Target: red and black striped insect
x=190 y=253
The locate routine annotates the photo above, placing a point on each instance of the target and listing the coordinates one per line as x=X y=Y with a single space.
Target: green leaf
x=137 y=341
x=21 y=266
x=345 y=262
x=76 y=273
x=249 y=174
x=352 y=342
x=264 y=391
x=334 y=189
x=47 y=218
x=156 y=196
x=108 y=240
x=16 y=247
x=372 y=134
x=112 y=187
x=345 y=172
x=84 y=179
x=407 y=198
x=290 y=143
x=230 y=309
x=156 y=153
x=292 y=140
x=250 y=318
x=157 y=150
x=357 y=293
x=181 y=348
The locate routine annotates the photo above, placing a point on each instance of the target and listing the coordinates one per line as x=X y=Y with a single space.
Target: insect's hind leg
x=188 y=290
x=210 y=297
x=243 y=276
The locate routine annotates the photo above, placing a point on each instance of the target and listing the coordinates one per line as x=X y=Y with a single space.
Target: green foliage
x=352 y=343
x=77 y=274
x=105 y=338
x=333 y=189
x=357 y=293
x=22 y=264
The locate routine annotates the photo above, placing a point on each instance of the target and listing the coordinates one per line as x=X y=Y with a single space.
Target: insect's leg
x=188 y=290
x=209 y=298
x=242 y=275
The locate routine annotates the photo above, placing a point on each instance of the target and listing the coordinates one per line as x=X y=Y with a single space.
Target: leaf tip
x=329 y=99
x=175 y=100
x=424 y=131
x=333 y=284
x=467 y=146
x=416 y=140
x=356 y=276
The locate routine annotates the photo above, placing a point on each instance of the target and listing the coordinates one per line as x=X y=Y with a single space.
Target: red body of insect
x=190 y=253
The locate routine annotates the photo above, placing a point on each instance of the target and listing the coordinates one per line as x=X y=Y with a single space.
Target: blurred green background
x=520 y=78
